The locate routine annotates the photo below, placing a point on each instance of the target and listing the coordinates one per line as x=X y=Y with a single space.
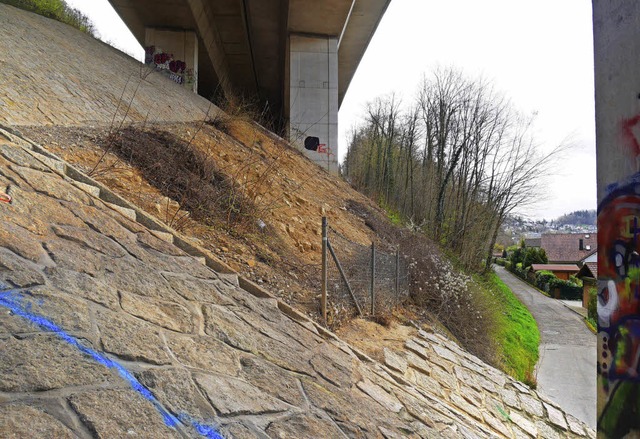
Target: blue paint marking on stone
x=203 y=429
x=13 y=301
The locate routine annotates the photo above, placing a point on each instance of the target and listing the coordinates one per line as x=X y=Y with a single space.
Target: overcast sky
x=539 y=53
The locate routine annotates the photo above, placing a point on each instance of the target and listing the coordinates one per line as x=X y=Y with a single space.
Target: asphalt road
x=566 y=370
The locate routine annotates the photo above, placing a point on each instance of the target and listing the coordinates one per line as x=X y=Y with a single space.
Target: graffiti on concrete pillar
x=175 y=70
x=312 y=143
x=619 y=297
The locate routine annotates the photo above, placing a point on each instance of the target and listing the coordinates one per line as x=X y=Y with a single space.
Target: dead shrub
x=240 y=108
x=184 y=174
x=382 y=319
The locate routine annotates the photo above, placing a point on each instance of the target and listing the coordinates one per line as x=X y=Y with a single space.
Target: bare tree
x=457 y=162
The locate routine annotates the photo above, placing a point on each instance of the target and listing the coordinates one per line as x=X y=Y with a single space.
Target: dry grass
x=183 y=173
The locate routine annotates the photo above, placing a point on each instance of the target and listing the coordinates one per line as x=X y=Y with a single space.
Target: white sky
x=539 y=53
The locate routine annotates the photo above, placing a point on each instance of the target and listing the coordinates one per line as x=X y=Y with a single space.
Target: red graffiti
x=631 y=134
x=324 y=149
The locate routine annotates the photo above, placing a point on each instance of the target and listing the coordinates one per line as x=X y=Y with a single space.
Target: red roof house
x=568 y=248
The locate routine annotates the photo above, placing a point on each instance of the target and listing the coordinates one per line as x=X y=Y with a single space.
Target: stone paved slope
x=108 y=330
x=87 y=82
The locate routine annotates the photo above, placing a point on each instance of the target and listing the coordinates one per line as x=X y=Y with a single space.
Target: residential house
x=568 y=248
x=562 y=271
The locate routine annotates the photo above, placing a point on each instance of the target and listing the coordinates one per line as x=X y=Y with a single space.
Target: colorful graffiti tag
x=13 y=301
x=619 y=299
x=174 y=69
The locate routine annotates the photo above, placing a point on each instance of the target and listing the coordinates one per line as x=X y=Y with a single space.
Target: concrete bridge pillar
x=313 y=98
x=174 y=53
x=617 y=87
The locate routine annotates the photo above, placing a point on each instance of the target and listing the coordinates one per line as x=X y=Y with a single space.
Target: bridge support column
x=313 y=98
x=617 y=87
x=175 y=53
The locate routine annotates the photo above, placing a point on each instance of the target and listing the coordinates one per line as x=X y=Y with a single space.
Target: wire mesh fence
x=362 y=280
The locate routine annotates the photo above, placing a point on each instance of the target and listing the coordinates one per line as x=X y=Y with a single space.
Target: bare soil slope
x=280 y=188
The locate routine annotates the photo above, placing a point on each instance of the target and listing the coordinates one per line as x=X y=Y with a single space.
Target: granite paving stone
x=42 y=362
x=175 y=388
x=510 y=398
x=52 y=185
x=199 y=290
x=304 y=426
x=81 y=92
x=90 y=240
x=206 y=353
x=82 y=285
x=35 y=212
x=546 y=431
x=130 y=338
x=394 y=361
x=23 y=421
x=24 y=243
x=334 y=366
x=232 y=396
x=556 y=417
x=464 y=405
x=169 y=315
x=416 y=362
x=376 y=392
x=123 y=418
x=495 y=423
x=273 y=380
x=67 y=312
x=575 y=426
x=18 y=272
x=524 y=423
x=531 y=405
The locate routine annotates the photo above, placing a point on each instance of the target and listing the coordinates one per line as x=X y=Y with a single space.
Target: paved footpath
x=567 y=366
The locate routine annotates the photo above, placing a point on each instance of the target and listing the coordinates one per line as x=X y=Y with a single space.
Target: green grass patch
x=58 y=10
x=393 y=215
x=591 y=324
x=516 y=331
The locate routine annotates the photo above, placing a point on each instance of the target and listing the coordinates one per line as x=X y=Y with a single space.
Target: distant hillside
x=578 y=218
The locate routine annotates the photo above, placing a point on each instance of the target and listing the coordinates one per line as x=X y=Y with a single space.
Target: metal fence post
x=397 y=273
x=373 y=276
x=323 y=300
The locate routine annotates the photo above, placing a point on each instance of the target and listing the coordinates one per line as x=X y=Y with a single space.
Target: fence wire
x=390 y=279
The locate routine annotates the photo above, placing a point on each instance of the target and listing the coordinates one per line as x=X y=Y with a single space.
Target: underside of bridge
x=297 y=57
